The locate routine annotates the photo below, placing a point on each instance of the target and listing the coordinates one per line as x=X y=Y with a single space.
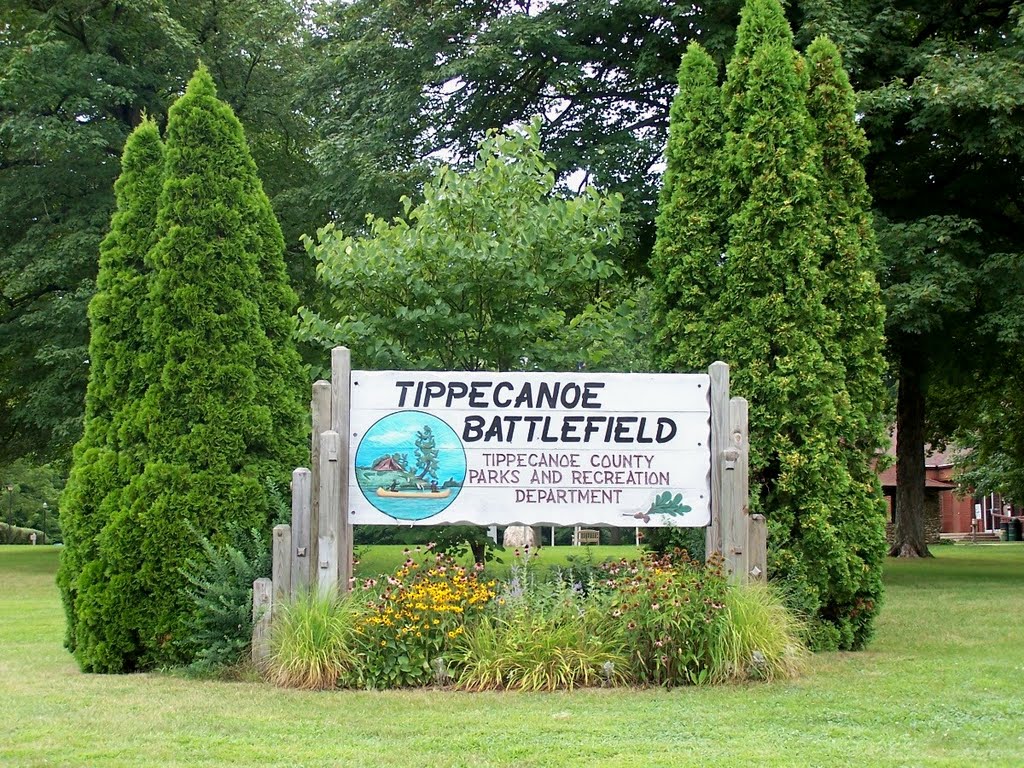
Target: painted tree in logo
x=426 y=453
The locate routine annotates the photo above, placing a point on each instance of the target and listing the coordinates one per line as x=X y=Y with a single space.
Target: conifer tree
x=105 y=456
x=224 y=409
x=770 y=314
x=853 y=295
x=686 y=263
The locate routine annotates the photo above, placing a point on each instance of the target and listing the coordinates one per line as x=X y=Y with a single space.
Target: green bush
x=672 y=612
x=220 y=586
x=15 y=534
x=660 y=621
x=764 y=259
x=540 y=635
x=312 y=641
x=223 y=408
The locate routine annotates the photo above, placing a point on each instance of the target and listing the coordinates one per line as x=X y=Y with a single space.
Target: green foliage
x=672 y=615
x=33 y=498
x=609 y=67
x=223 y=409
x=220 y=587
x=418 y=613
x=75 y=80
x=663 y=621
x=766 y=250
x=686 y=263
x=109 y=452
x=486 y=273
x=541 y=636
x=312 y=643
x=764 y=639
x=851 y=293
x=16 y=534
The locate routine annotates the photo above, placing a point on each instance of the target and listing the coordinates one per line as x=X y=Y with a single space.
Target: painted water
x=413 y=453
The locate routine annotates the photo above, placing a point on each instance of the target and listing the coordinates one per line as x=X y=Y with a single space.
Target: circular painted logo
x=410 y=465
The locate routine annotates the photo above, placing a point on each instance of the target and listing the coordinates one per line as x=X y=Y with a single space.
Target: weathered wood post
x=719 y=400
x=262 y=605
x=302 y=533
x=341 y=382
x=282 y=565
x=736 y=504
x=330 y=514
x=320 y=407
x=757 y=547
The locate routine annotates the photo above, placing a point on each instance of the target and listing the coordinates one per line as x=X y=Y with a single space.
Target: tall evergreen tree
x=853 y=295
x=778 y=326
x=686 y=265
x=105 y=456
x=225 y=407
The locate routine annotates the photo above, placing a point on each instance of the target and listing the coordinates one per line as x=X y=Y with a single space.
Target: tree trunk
x=909 y=534
x=479 y=550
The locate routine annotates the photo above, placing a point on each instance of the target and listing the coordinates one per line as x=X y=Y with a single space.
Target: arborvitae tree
x=768 y=314
x=686 y=265
x=225 y=409
x=105 y=456
x=853 y=295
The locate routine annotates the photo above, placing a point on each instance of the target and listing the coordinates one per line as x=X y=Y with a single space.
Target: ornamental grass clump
x=672 y=612
x=414 y=618
x=312 y=641
x=763 y=639
x=539 y=635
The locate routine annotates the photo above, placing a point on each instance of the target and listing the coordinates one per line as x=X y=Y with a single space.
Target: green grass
x=384 y=558
x=943 y=684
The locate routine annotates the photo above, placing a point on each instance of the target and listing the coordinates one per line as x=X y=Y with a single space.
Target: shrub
x=220 y=586
x=312 y=643
x=415 y=616
x=13 y=534
x=223 y=407
x=672 y=612
x=541 y=636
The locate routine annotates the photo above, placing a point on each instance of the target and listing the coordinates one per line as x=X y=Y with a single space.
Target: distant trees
x=749 y=243
x=75 y=80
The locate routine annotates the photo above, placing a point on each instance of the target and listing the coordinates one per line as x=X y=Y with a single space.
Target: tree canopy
x=490 y=271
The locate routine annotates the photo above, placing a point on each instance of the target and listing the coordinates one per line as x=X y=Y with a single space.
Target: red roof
x=888 y=479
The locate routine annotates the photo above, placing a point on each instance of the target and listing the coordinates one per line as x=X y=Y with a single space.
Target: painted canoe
x=441 y=494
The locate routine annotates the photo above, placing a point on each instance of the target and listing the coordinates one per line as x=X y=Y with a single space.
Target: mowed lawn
x=942 y=684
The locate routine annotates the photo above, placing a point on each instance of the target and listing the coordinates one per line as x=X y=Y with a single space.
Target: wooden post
x=341 y=382
x=301 y=530
x=282 y=566
x=330 y=515
x=262 y=605
x=719 y=400
x=735 y=501
x=320 y=406
x=757 y=548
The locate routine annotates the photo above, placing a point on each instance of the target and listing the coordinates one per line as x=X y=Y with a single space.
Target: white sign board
x=529 y=448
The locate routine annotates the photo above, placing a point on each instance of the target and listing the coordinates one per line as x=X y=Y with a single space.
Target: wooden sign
x=529 y=448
